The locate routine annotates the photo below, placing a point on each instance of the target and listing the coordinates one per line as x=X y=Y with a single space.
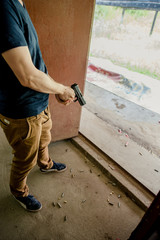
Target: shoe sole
x=53 y=170
x=24 y=206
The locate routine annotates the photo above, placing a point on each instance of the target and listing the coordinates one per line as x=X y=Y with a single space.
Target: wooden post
x=149 y=227
x=64 y=29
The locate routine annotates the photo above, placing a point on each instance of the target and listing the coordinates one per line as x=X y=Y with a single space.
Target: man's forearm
x=42 y=82
x=20 y=62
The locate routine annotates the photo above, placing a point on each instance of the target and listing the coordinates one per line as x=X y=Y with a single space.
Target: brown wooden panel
x=64 y=30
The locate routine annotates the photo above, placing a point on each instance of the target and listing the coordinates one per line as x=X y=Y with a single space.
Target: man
x=24 y=89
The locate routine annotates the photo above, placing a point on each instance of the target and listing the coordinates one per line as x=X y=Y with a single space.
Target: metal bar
x=148 y=5
x=154 y=20
x=122 y=17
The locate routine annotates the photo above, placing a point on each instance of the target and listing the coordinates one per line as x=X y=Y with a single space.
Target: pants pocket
x=25 y=130
x=3 y=125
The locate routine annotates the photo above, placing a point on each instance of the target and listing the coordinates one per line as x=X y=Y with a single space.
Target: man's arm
x=19 y=60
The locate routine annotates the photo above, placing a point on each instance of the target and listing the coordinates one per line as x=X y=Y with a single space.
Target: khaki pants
x=29 y=139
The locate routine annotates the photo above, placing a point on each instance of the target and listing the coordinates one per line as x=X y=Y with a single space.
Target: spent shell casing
x=62 y=195
x=59 y=205
x=110 y=203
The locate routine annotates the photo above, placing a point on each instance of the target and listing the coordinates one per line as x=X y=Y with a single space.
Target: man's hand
x=67 y=97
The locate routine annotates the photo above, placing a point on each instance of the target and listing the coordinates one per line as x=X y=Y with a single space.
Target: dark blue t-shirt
x=17 y=30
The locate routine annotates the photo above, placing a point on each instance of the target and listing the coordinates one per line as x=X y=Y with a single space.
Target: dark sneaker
x=30 y=203
x=57 y=167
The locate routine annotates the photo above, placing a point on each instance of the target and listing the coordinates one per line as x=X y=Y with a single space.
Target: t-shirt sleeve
x=11 y=31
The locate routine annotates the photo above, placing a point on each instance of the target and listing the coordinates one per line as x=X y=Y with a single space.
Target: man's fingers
x=67 y=102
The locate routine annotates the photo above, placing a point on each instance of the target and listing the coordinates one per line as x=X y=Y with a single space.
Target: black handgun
x=78 y=94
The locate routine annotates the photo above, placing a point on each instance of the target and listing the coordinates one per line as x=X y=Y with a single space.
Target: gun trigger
x=75 y=100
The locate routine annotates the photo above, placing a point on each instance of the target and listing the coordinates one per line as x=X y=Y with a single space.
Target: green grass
x=109 y=12
x=137 y=13
x=106 y=13
x=139 y=69
x=133 y=68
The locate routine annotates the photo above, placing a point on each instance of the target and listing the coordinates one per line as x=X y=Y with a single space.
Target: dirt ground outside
x=128 y=44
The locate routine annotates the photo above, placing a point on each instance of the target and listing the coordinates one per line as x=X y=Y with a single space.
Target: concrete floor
x=86 y=191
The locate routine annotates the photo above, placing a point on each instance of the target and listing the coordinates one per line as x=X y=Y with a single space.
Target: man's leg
x=44 y=161
x=23 y=135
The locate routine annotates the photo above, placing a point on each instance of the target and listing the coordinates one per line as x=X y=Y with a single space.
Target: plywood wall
x=64 y=29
